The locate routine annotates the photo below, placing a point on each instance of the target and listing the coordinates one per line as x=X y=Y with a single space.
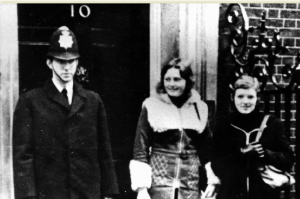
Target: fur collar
x=163 y=115
x=195 y=97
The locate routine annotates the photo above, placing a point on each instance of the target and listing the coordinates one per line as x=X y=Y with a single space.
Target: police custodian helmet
x=63 y=44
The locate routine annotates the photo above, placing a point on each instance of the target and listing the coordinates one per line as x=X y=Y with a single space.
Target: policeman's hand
x=210 y=191
x=143 y=193
x=254 y=148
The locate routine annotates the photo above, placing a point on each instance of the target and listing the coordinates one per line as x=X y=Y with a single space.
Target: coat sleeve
x=109 y=183
x=226 y=155
x=23 y=151
x=205 y=148
x=142 y=141
x=140 y=171
x=280 y=154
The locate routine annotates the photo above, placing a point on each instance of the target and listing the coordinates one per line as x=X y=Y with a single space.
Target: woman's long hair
x=185 y=72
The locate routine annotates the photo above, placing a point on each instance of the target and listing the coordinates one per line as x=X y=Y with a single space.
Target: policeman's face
x=174 y=83
x=63 y=70
x=245 y=100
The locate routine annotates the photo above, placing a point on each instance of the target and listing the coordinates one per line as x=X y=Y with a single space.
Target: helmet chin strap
x=61 y=80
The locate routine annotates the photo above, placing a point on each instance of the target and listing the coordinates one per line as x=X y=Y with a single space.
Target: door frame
x=160 y=52
x=9 y=89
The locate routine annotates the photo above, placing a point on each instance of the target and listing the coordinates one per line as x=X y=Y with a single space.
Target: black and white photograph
x=149 y=100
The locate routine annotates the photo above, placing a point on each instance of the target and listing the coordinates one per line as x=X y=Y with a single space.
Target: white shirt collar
x=68 y=86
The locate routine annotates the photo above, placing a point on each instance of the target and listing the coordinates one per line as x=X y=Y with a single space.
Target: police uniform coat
x=62 y=151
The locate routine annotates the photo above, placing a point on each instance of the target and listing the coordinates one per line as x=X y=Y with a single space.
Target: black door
x=114 y=47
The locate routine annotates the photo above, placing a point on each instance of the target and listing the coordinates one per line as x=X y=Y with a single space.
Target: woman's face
x=245 y=100
x=174 y=84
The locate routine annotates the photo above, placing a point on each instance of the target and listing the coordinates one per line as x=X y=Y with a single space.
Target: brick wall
x=282 y=16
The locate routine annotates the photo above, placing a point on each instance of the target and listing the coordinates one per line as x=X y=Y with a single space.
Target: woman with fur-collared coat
x=172 y=140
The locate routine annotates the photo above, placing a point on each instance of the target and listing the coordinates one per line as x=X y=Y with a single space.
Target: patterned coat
x=171 y=145
x=61 y=151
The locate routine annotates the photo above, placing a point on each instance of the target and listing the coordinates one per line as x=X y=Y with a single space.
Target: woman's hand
x=143 y=193
x=210 y=191
x=254 y=148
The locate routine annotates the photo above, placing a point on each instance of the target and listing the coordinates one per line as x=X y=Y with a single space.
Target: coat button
x=183 y=155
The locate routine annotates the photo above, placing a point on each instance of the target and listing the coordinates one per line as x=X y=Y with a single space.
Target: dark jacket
x=233 y=167
x=61 y=151
x=173 y=141
x=159 y=127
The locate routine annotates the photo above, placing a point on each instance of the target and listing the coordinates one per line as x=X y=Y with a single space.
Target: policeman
x=61 y=144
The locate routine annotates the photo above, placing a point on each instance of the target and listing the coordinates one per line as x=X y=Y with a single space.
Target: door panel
x=114 y=47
